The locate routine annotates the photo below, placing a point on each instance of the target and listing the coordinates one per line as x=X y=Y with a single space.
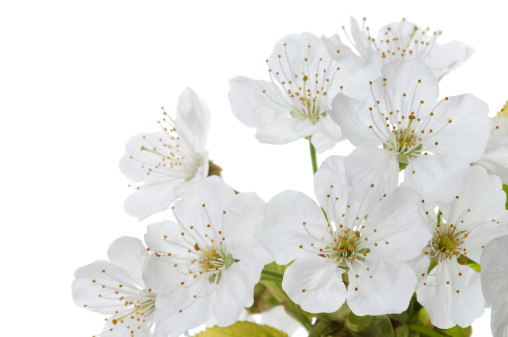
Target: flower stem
x=424 y=330
x=313 y=157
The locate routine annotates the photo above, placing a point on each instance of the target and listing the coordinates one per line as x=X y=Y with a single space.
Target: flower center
x=173 y=155
x=307 y=106
x=346 y=248
x=142 y=308
x=446 y=242
x=393 y=46
x=305 y=82
x=214 y=261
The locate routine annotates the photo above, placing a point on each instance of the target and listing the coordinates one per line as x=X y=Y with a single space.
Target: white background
x=79 y=78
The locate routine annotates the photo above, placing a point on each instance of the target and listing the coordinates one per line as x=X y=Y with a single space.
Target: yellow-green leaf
x=242 y=329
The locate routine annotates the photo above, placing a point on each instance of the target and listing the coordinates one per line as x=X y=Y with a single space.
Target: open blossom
x=434 y=141
x=369 y=231
x=209 y=260
x=495 y=157
x=168 y=160
x=116 y=288
x=494 y=263
x=294 y=103
x=451 y=291
x=399 y=40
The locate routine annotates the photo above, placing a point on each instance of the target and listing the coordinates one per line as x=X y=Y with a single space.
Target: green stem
x=424 y=330
x=313 y=157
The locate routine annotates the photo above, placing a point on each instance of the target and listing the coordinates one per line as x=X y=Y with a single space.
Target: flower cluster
x=399 y=226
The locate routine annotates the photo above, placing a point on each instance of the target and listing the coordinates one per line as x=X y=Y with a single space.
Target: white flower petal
x=495 y=157
x=285 y=130
x=236 y=290
x=278 y=318
x=461 y=126
x=331 y=187
x=372 y=174
x=130 y=254
x=203 y=203
x=327 y=136
x=496 y=162
x=193 y=116
x=315 y=283
x=494 y=263
x=256 y=102
x=481 y=199
x=451 y=299
x=420 y=266
x=404 y=85
x=499 y=319
x=436 y=177
x=88 y=290
x=284 y=232
x=151 y=198
x=444 y=58
x=243 y=215
x=193 y=313
x=356 y=120
x=386 y=287
x=395 y=229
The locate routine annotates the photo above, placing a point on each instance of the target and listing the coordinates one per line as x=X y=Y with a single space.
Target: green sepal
x=505 y=189
x=358 y=323
x=339 y=315
x=456 y=331
x=424 y=318
x=381 y=326
x=402 y=331
x=263 y=300
x=242 y=329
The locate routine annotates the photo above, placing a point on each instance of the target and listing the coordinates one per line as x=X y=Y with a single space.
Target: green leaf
x=242 y=329
x=381 y=326
x=358 y=323
x=456 y=331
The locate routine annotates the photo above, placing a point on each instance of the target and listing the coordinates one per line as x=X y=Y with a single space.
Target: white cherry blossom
x=116 y=288
x=399 y=40
x=168 y=160
x=494 y=263
x=433 y=140
x=495 y=157
x=451 y=290
x=294 y=104
x=209 y=260
x=369 y=231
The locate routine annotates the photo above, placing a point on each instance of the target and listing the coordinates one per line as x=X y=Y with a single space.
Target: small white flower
x=495 y=157
x=435 y=141
x=167 y=161
x=370 y=231
x=494 y=278
x=451 y=291
x=399 y=40
x=116 y=288
x=294 y=104
x=209 y=261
